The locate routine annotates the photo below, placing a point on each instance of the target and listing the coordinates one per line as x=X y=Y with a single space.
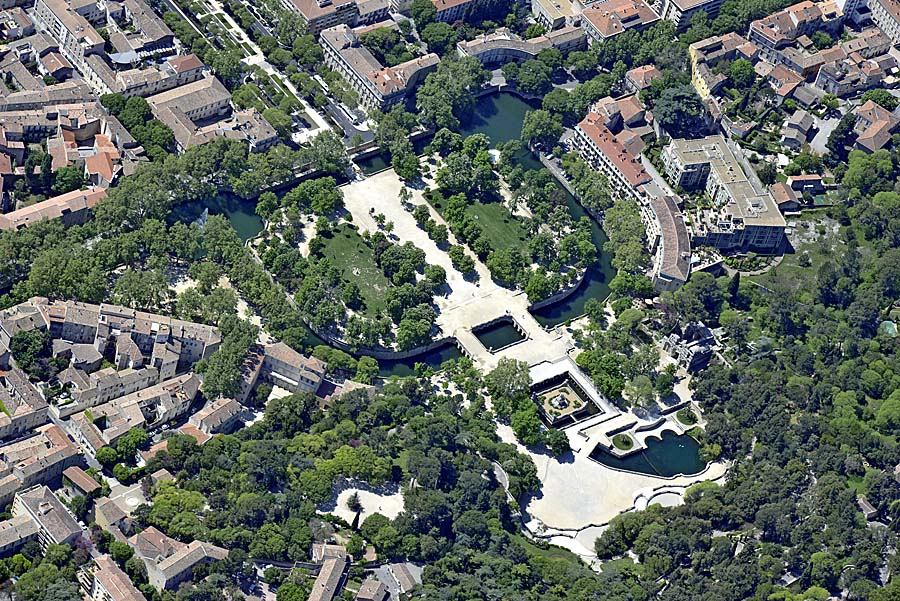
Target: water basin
x=498 y=335
x=407 y=367
x=671 y=455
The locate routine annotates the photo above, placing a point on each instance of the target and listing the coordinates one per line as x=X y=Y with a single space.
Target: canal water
x=500 y=117
x=380 y=162
x=498 y=335
x=671 y=455
x=241 y=213
x=406 y=367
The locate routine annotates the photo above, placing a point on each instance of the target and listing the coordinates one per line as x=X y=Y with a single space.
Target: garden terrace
x=561 y=400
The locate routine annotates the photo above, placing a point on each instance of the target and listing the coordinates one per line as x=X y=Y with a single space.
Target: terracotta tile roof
x=77 y=200
x=114 y=581
x=195 y=432
x=311 y=9
x=101 y=164
x=448 y=4
x=81 y=479
x=613 y=17
x=626 y=163
x=782 y=193
x=642 y=76
x=185 y=63
x=55 y=61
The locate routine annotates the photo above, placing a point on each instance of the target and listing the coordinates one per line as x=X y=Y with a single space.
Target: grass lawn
x=500 y=227
x=687 y=416
x=857 y=483
x=348 y=252
x=622 y=442
x=553 y=552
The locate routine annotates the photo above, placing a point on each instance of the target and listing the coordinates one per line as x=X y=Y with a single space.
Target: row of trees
x=53 y=261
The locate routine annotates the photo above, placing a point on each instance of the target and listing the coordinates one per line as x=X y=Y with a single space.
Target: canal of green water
x=498 y=335
x=671 y=455
x=241 y=213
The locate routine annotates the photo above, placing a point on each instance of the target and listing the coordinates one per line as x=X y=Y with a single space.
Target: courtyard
x=560 y=401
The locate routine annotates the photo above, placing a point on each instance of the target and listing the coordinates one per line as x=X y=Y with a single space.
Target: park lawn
x=790 y=271
x=348 y=252
x=857 y=483
x=502 y=229
x=553 y=552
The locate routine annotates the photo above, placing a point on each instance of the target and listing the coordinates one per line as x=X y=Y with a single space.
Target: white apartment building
x=681 y=12
x=378 y=87
x=744 y=218
x=600 y=149
x=72 y=27
x=886 y=14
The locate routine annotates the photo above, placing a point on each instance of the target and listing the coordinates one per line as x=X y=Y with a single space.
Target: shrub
x=687 y=417
x=623 y=442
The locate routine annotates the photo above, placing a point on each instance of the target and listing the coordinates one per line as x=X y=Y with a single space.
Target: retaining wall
x=561 y=295
x=382 y=353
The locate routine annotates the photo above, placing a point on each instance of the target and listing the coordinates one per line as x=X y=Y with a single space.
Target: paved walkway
x=468 y=303
x=578 y=493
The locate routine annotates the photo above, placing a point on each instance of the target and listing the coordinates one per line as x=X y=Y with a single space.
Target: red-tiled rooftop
x=448 y=4
x=615 y=16
x=101 y=164
x=311 y=9
x=57 y=206
x=626 y=163
x=642 y=76
x=81 y=479
x=185 y=63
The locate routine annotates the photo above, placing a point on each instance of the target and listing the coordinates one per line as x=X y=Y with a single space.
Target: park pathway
x=258 y=59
